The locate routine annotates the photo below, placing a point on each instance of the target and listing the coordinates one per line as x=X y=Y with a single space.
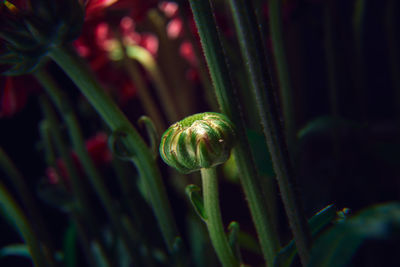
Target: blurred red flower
x=102 y=48
x=14 y=92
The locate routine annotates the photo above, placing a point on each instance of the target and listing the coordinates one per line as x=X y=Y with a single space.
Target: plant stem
x=19 y=220
x=82 y=204
x=276 y=28
x=79 y=146
x=168 y=53
x=149 y=105
x=30 y=205
x=142 y=156
x=224 y=90
x=213 y=218
x=185 y=14
x=260 y=82
x=146 y=59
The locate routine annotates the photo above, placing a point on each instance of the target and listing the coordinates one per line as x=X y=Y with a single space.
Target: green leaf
x=197 y=201
x=336 y=246
x=20 y=250
x=317 y=223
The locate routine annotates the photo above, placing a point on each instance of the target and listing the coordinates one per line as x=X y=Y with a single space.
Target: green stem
x=213 y=218
x=224 y=90
x=260 y=83
x=168 y=54
x=79 y=146
x=145 y=58
x=29 y=203
x=149 y=105
x=82 y=204
x=276 y=28
x=142 y=156
x=201 y=64
x=14 y=212
x=87 y=244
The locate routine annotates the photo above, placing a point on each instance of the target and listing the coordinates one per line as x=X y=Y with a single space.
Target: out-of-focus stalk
x=174 y=74
x=276 y=28
x=29 y=203
x=145 y=97
x=140 y=154
x=79 y=146
x=145 y=58
x=18 y=218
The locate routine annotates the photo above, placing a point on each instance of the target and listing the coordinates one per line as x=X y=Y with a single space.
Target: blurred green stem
x=79 y=146
x=224 y=90
x=278 y=44
x=82 y=203
x=30 y=205
x=142 y=156
x=148 y=102
x=213 y=218
x=146 y=59
x=201 y=64
x=171 y=64
x=15 y=213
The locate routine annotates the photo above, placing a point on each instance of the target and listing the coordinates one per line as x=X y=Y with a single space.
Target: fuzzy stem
x=260 y=83
x=20 y=222
x=227 y=100
x=200 y=60
x=142 y=156
x=213 y=218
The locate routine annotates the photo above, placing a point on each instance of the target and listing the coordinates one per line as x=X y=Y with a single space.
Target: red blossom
x=100 y=46
x=170 y=9
x=14 y=92
x=136 y=9
x=97 y=146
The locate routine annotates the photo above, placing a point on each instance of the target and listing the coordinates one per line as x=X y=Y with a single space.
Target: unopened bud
x=199 y=141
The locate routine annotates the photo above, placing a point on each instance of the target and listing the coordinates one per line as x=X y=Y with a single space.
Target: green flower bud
x=199 y=141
